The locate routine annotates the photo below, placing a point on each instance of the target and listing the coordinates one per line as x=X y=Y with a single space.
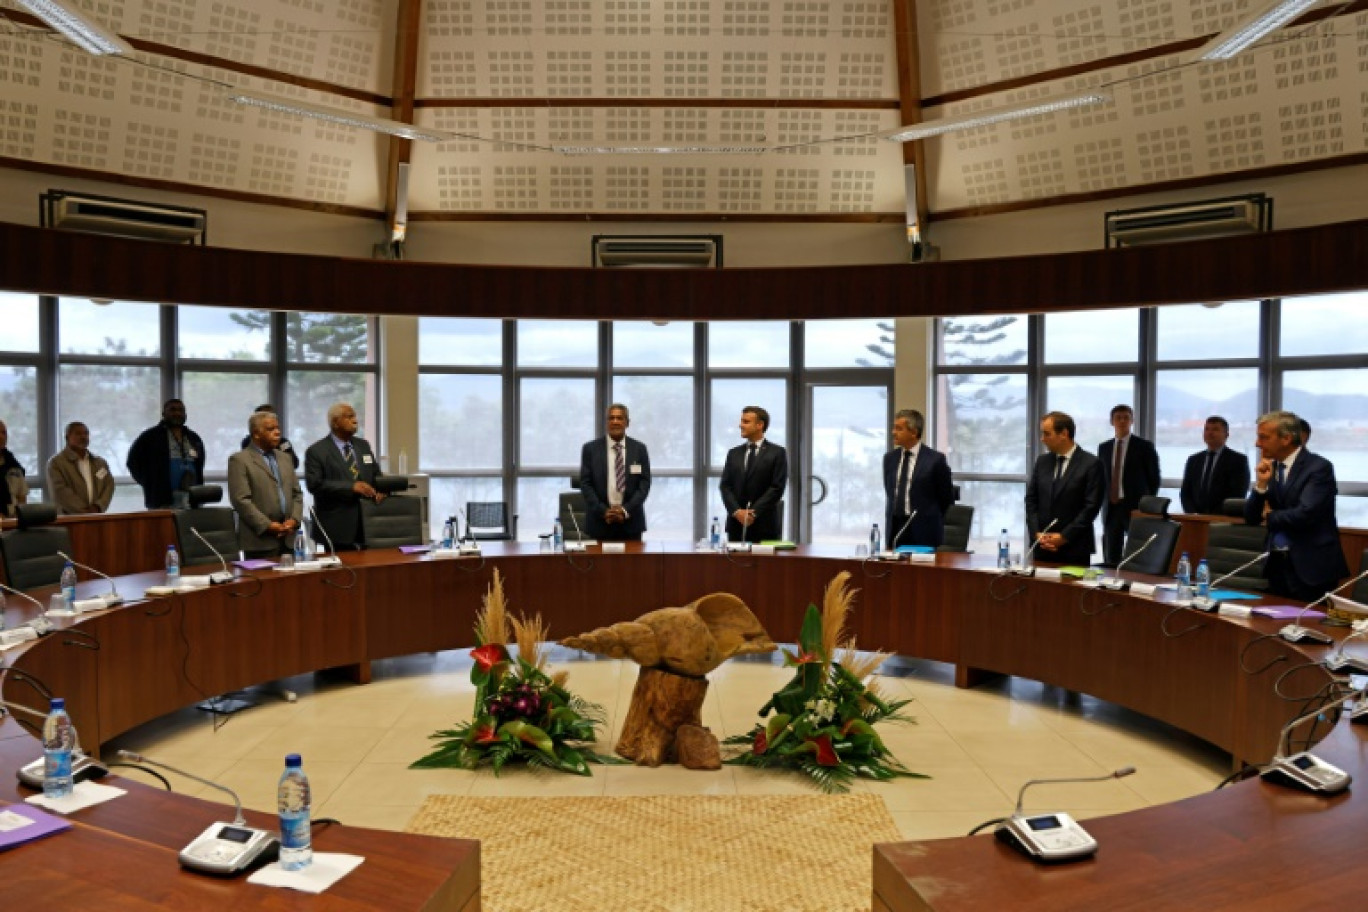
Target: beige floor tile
x=396 y=784
x=1111 y=794
x=336 y=744
x=1161 y=783
x=917 y=825
x=255 y=782
x=1116 y=748
x=196 y=738
x=1028 y=751
x=666 y=780
x=947 y=789
x=207 y=767
x=403 y=744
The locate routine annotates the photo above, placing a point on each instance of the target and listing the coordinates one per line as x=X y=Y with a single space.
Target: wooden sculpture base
x=662 y=702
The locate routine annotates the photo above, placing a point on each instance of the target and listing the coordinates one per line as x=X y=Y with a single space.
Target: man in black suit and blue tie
x=340 y=471
x=615 y=478
x=1130 y=470
x=1215 y=474
x=754 y=476
x=917 y=483
x=1064 y=494
x=1294 y=495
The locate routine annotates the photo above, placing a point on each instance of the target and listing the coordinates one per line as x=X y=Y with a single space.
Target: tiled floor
x=979 y=746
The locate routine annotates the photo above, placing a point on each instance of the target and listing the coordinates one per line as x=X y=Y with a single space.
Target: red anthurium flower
x=486 y=734
x=760 y=745
x=488 y=656
x=826 y=754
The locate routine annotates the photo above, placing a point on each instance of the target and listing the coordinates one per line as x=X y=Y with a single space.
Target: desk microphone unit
x=224 y=849
x=579 y=544
x=223 y=576
x=1209 y=604
x=1296 y=633
x=742 y=545
x=329 y=558
x=1114 y=582
x=83 y=766
x=1340 y=662
x=1055 y=837
x=892 y=553
x=1304 y=770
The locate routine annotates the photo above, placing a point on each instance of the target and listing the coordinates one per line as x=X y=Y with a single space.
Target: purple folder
x=1287 y=612
x=14 y=832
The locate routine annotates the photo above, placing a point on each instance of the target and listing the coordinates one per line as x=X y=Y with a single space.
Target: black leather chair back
x=217 y=524
x=1158 y=556
x=489 y=521
x=394 y=522
x=30 y=551
x=1231 y=544
x=959 y=522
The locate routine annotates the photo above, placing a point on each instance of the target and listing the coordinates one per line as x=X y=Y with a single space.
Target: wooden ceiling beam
x=404 y=87
x=909 y=94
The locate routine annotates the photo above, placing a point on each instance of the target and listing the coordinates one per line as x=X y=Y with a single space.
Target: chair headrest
x=1233 y=506
x=35 y=514
x=391 y=484
x=205 y=494
x=1154 y=504
x=575 y=481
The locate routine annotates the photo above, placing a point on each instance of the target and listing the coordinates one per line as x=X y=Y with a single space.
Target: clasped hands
x=744 y=517
x=615 y=515
x=282 y=529
x=1050 y=541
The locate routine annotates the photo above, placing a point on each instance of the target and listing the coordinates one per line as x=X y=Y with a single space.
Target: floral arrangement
x=521 y=713
x=823 y=720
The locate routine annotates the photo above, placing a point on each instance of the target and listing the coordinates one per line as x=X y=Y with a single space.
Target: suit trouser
x=1114 y=526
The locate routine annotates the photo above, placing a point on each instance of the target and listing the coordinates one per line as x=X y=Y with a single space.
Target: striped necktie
x=619 y=467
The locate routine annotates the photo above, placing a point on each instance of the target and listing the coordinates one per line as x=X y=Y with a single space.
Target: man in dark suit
x=1294 y=495
x=1130 y=470
x=615 y=478
x=1065 y=489
x=917 y=483
x=340 y=471
x=754 y=476
x=167 y=459
x=263 y=489
x=1215 y=474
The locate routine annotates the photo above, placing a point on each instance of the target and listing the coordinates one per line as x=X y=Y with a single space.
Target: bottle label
x=57 y=764
x=295 y=832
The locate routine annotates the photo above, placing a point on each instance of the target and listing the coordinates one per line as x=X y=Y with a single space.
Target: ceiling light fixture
x=997 y=115
x=1252 y=28
x=88 y=36
x=337 y=116
x=660 y=150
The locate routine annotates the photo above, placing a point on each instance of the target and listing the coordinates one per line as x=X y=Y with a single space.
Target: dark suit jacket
x=1074 y=501
x=149 y=463
x=1139 y=473
x=596 y=476
x=931 y=491
x=330 y=482
x=1229 y=478
x=1304 y=511
x=763 y=488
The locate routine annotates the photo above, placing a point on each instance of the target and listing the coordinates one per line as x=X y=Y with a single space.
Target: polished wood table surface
x=125 y=666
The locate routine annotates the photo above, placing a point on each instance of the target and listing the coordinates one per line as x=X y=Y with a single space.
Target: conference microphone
x=223 y=848
x=23 y=595
x=892 y=552
x=742 y=545
x=1296 y=633
x=467 y=543
x=1114 y=581
x=1207 y=603
x=578 y=543
x=1056 y=836
x=83 y=767
x=223 y=576
x=1026 y=569
x=329 y=557
x=1304 y=770
x=1341 y=662
x=112 y=597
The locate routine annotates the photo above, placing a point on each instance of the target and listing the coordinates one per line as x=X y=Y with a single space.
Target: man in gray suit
x=264 y=490
x=340 y=471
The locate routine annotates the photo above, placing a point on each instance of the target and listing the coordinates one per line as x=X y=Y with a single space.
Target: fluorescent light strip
x=88 y=36
x=1238 y=37
x=987 y=118
x=660 y=150
x=337 y=116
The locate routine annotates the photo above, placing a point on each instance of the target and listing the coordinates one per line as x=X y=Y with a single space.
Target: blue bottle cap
x=58 y=703
x=293 y=761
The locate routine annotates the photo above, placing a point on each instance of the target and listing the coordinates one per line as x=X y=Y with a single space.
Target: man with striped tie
x=340 y=471
x=615 y=479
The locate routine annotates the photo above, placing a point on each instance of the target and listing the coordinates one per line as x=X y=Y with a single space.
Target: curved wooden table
x=153 y=657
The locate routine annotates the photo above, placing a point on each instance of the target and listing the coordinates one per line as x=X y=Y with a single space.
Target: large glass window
x=221 y=334
x=114 y=328
x=1093 y=336
x=117 y=402
x=19 y=411
x=309 y=395
x=649 y=345
x=1208 y=332
x=1324 y=325
x=985 y=420
x=460 y=421
x=749 y=344
x=1335 y=402
x=460 y=342
x=324 y=338
x=662 y=417
x=557 y=343
x=1184 y=399
x=1089 y=401
x=218 y=405
x=848 y=343
x=556 y=417
x=19 y=316
x=729 y=397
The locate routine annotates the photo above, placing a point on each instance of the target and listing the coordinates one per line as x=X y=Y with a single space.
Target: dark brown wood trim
x=149 y=183
x=1315 y=260
x=1186 y=183
x=404 y=84
x=709 y=217
x=1116 y=60
x=828 y=104
x=909 y=91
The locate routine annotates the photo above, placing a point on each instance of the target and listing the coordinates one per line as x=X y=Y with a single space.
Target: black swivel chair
x=1154 y=505
x=959 y=523
x=395 y=521
x=1233 y=506
x=489 y=521
x=1231 y=544
x=1156 y=558
x=30 y=551
x=217 y=524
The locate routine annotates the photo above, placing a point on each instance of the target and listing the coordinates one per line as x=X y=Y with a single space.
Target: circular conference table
x=1252 y=842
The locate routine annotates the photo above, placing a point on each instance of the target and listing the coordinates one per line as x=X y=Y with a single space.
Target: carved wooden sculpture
x=675 y=648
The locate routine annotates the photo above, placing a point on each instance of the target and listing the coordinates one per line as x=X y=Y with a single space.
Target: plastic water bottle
x=1004 y=551
x=59 y=740
x=172 y=566
x=557 y=536
x=1203 y=579
x=301 y=547
x=715 y=535
x=1184 y=576
x=448 y=534
x=293 y=801
x=69 y=587
x=875 y=540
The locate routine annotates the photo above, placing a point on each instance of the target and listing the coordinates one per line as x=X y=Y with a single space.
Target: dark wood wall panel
x=1319 y=259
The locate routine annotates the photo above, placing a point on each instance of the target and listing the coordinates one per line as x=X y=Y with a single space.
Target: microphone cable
x=1261 y=669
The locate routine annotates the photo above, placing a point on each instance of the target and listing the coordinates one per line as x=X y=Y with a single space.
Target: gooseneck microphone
x=1114 y=581
x=1025 y=567
x=223 y=576
x=111 y=597
x=1114 y=774
x=1340 y=662
x=1054 y=836
x=893 y=545
x=1296 y=633
x=23 y=595
x=1210 y=604
x=1304 y=770
x=134 y=757
x=330 y=558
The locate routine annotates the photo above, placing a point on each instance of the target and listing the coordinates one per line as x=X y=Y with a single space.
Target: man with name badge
x=1294 y=495
x=264 y=490
x=917 y=484
x=78 y=480
x=1130 y=470
x=1065 y=493
x=1216 y=474
x=167 y=460
x=615 y=479
x=753 y=481
x=340 y=471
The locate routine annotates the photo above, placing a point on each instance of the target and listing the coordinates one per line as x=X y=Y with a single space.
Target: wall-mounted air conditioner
x=124 y=218
x=702 y=251
x=1189 y=221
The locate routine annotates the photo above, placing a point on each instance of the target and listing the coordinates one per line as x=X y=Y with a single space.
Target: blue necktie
x=280 y=488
